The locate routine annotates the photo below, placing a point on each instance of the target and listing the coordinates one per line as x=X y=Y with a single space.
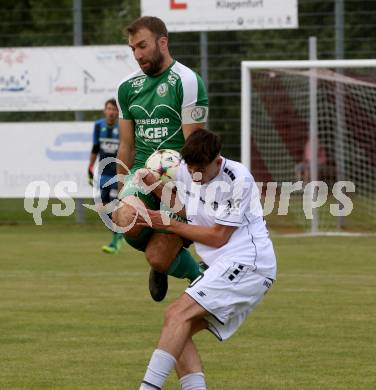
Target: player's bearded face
x=152 y=64
x=146 y=48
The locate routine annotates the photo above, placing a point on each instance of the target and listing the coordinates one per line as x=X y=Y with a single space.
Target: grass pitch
x=74 y=318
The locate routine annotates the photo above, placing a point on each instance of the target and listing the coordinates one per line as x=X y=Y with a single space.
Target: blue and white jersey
x=107 y=138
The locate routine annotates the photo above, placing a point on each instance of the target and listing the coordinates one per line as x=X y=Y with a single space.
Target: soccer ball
x=164 y=164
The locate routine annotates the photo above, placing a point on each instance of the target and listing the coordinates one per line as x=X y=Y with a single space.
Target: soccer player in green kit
x=159 y=107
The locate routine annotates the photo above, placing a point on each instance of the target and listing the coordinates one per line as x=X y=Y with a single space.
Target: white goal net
x=307 y=125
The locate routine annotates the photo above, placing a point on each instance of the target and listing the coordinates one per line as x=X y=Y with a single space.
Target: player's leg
x=134 y=199
x=182 y=318
x=139 y=237
x=189 y=368
x=164 y=252
x=166 y=256
x=125 y=216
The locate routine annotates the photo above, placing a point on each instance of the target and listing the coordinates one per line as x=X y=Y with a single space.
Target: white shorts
x=229 y=292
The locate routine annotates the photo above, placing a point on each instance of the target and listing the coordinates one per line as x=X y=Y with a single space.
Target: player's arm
x=127 y=150
x=189 y=128
x=194 y=111
x=215 y=236
x=166 y=192
x=93 y=157
x=93 y=154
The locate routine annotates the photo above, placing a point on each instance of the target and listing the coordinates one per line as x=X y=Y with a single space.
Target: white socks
x=160 y=366
x=144 y=386
x=195 y=381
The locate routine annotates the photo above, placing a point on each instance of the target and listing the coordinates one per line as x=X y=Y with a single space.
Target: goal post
x=313 y=120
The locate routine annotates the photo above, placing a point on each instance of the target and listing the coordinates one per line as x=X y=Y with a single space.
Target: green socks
x=184 y=266
x=118 y=236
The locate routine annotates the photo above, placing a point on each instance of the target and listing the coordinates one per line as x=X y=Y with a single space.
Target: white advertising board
x=51 y=152
x=217 y=15
x=62 y=78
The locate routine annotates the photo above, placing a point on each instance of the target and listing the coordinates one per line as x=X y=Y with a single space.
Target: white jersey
x=232 y=199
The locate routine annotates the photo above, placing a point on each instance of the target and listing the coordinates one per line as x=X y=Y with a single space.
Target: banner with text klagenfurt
x=218 y=15
x=62 y=78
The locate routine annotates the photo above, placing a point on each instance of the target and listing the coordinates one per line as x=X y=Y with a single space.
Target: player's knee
x=156 y=263
x=115 y=217
x=176 y=315
x=156 y=259
x=173 y=317
x=160 y=252
x=125 y=217
x=120 y=215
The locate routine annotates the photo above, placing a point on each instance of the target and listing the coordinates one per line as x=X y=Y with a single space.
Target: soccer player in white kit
x=225 y=221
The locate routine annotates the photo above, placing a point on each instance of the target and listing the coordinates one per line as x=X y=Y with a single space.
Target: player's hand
x=144 y=178
x=90 y=175
x=157 y=220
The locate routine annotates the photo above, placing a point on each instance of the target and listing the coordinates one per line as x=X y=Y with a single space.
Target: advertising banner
x=62 y=78
x=52 y=152
x=218 y=15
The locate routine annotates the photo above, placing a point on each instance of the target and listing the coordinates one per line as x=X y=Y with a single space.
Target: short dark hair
x=201 y=148
x=111 y=101
x=152 y=23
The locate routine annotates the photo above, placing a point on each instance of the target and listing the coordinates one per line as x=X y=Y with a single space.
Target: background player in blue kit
x=106 y=144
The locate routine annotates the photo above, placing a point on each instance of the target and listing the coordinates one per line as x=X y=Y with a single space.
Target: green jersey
x=160 y=105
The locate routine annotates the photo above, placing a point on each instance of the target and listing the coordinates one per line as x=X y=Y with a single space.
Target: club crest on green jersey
x=198 y=113
x=162 y=89
x=172 y=79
